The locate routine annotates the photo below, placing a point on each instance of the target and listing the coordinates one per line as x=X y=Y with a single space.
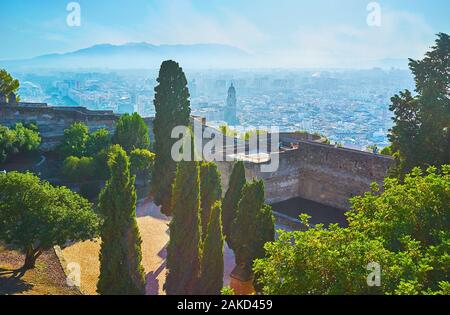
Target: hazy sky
x=278 y=32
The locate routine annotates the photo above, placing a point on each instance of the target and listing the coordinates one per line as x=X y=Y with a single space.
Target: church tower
x=230 y=116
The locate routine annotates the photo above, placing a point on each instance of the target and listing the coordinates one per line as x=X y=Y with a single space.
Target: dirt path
x=154 y=231
x=47 y=278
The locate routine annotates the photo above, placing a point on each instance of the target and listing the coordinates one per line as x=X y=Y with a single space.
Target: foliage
x=421 y=132
x=231 y=199
x=34 y=215
x=131 y=133
x=212 y=264
x=18 y=140
x=7 y=83
x=227 y=291
x=210 y=191
x=387 y=151
x=121 y=271
x=74 y=140
x=142 y=162
x=405 y=229
x=97 y=141
x=184 y=248
x=78 y=169
x=253 y=225
x=172 y=107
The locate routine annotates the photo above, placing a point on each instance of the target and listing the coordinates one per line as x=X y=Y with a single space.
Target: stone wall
x=318 y=172
x=52 y=121
x=314 y=171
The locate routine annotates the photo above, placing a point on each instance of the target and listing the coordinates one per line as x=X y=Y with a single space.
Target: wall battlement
x=314 y=171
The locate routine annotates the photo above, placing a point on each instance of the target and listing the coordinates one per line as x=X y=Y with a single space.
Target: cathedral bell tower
x=230 y=116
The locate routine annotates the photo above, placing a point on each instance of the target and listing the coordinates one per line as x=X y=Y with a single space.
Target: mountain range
x=137 y=56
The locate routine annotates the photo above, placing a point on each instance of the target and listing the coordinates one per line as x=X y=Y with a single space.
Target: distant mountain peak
x=138 y=55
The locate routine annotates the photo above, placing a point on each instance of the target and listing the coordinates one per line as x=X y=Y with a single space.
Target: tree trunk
x=30 y=258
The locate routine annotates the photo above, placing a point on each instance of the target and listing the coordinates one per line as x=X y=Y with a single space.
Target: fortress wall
x=53 y=121
x=318 y=172
x=315 y=171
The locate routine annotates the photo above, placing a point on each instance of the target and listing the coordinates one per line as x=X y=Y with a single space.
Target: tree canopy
x=210 y=192
x=184 y=248
x=212 y=264
x=404 y=230
x=231 y=199
x=121 y=271
x=34 y=215
x=172 y=107
x=8 y=84
x=131 y=133
x=17 y=140
x=74 y=140
x=253 y=225
x=421 y=132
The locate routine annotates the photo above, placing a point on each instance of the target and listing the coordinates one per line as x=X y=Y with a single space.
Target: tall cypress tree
x=210 y=191
x=231 y=199
x=211 y=280
x=172 y=109
x=121 y=272
x=184 y=249
x=421 y=132
x=253 y=226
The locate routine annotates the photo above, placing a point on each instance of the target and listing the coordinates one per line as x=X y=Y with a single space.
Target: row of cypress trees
x=191 y=193
x=195 y=250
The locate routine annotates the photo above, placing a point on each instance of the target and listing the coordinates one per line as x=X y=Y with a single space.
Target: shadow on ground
x=11 y=282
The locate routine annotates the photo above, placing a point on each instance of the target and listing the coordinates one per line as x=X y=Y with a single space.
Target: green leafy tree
x=184 y=248
x=131 y=133
x=172 y=107
x=78 y=169
x=405 y=229
x=20 y=139
x=421 y=132
x=74 y=140
x=253 y=225
x=121 y=271
x=210 y=191
x=231 y=199
x=142 y=162
x=8 y=84
x=211 y=279
x=97 y=141
x=35 y=216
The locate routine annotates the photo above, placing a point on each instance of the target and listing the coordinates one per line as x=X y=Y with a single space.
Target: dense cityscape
x=348 y=107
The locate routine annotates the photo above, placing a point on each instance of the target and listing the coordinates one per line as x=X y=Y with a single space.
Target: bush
x=142 y=162
x=97 y=141
x=78 y=169
x=18 y=140
x=404 y=229
x=74 y=140
x=131 y=133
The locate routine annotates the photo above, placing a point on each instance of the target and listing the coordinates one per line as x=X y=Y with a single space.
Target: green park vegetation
x=421 y=132
x=35 y=216
x=121 y=271
x=8 y=84
x=18 y=140
x=86 y=154
x=404 y=229
x=172 y=107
